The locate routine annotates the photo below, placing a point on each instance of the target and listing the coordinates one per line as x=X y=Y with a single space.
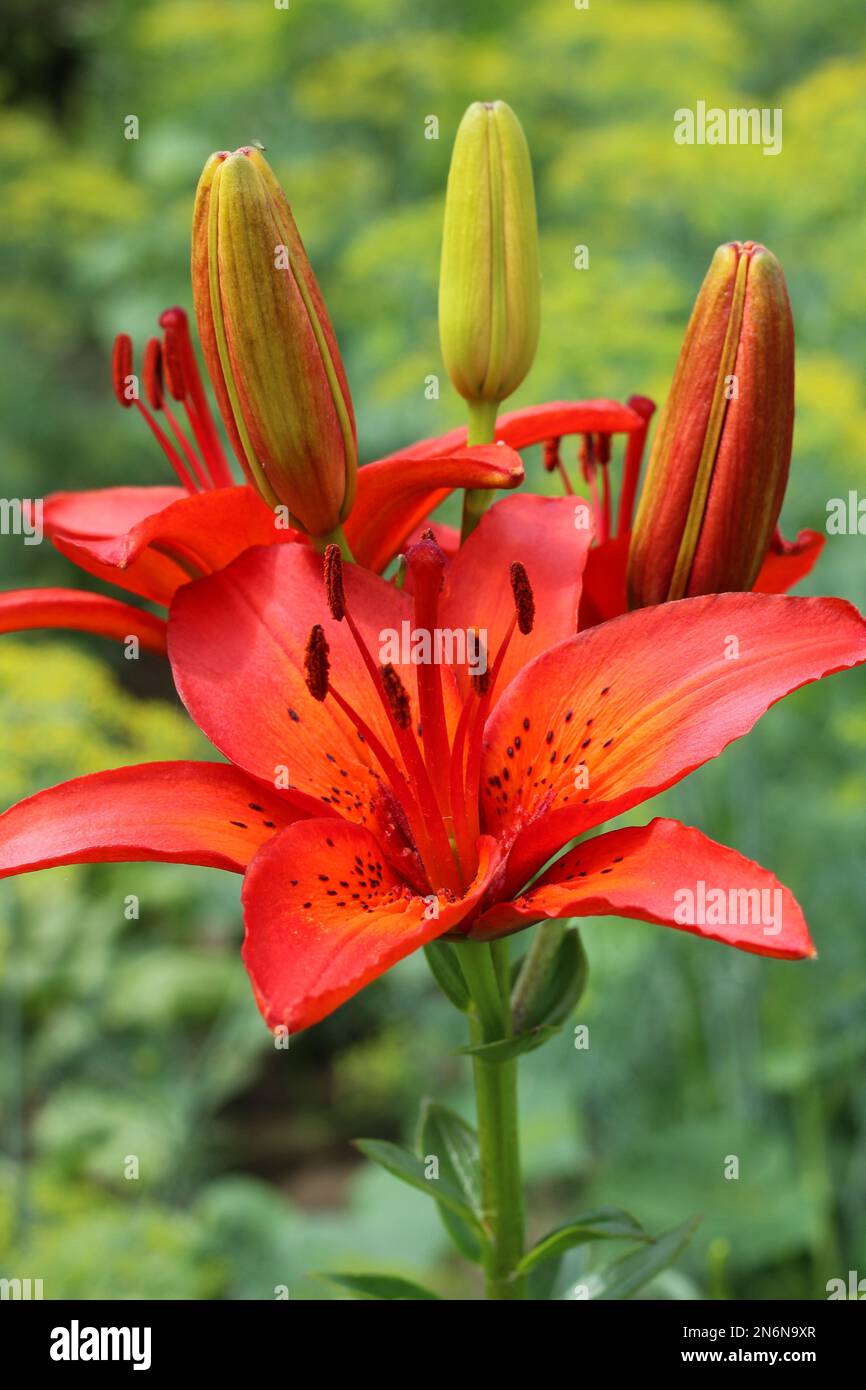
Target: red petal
x=663 y=872
x=535 y=423
x=237 y=642
x=643 y=700
x=604 y=588
x=540 y=532
x=25 y=609
x=396 y=494
x=788 y=562
x=183 y=813
x=320 y=924
x=153 y=540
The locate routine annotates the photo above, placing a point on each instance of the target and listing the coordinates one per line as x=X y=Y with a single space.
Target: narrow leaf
x=378 y=1286
x=623 y=1278
x=404 y=1165
x=609 y=1223
x=444 y=1135
x=445 y=968
x=506 y=1048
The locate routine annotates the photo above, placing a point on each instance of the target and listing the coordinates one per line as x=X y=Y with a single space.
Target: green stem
x=482 y=430
x=486 y=971
x=335 y=537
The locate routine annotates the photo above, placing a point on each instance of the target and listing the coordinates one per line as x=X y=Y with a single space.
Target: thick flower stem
x=482 y=428
x=486 y=971
x=336 y=537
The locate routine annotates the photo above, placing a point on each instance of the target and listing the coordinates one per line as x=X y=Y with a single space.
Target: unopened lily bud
x=489 y=284
x=269 y=346
x=719 y=465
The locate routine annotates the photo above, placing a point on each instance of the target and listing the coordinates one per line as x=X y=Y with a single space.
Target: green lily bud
x=490 y=281
x=269 y=345
x=719 y=464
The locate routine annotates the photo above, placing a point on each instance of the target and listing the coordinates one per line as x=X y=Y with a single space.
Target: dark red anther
x=587 y=458
x=551 y=454
x=316 y=664
x=121 y=370
x=336 y=594
x=172 y=362
x=398 y=699
x=524 y=599
x=151 y=372
x=602 y=444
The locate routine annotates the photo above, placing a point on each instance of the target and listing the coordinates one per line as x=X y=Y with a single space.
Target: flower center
x=435 y=775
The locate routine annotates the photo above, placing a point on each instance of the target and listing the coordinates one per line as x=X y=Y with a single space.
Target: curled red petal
x=181 y=812
x=23 y=610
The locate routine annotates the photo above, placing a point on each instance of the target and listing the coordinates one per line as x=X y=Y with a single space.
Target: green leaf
x=623 y=1278
x=506 y=1048
x=455 y=1144
x=563 y=985
x=404 y=1165
x=445 y=967
x=378 y=1286
x=608 y=1223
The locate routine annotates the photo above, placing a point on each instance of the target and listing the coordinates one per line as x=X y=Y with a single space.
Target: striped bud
x=489 y=283
x=269 y=346
x=719 y=465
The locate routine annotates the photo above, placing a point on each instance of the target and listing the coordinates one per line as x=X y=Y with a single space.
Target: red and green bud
x=269 y=345
x=719 y=464
x=489 y=285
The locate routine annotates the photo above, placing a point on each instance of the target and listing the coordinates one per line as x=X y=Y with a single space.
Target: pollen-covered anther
x=316 y=663
x=524 y=599
x=397 y=695
x=602 y=445
x=121 y=369
x=151 y=372
x=334 y=590
x=551 y=454
x=172 y=363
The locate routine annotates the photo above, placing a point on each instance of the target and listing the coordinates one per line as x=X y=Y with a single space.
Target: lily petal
x=788 y=562
x=395 y=495
x=540 y=532
x=664 y=872
x=237 y=642
x=153 y=540
x=325 y=915
x=180 y=812
x=22 y=610
x=613 y=716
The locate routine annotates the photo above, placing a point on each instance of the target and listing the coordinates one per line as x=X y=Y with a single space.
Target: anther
x=316 y=664
x=121 y=369
x=398 y=699
x=524 y=600
x=336 y=594
x=151 y=372
x=551 y=454
x=172 y=361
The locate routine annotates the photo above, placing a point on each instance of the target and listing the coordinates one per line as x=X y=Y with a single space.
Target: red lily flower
x=151 y=540
x=363 y=837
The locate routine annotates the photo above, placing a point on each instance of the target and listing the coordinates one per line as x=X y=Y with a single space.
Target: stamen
x=121 y=369
x=151 y=371
x=334 y=590
x=172 y=360
x=316 y=663
x=524 y=599
x=551 y=454
x=175 y=324
x=397 y=695
x=426 y=562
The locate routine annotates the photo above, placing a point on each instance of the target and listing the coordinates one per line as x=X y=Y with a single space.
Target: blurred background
x=141 y=1037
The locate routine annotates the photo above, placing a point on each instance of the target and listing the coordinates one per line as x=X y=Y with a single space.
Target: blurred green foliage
x=125 y=1037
